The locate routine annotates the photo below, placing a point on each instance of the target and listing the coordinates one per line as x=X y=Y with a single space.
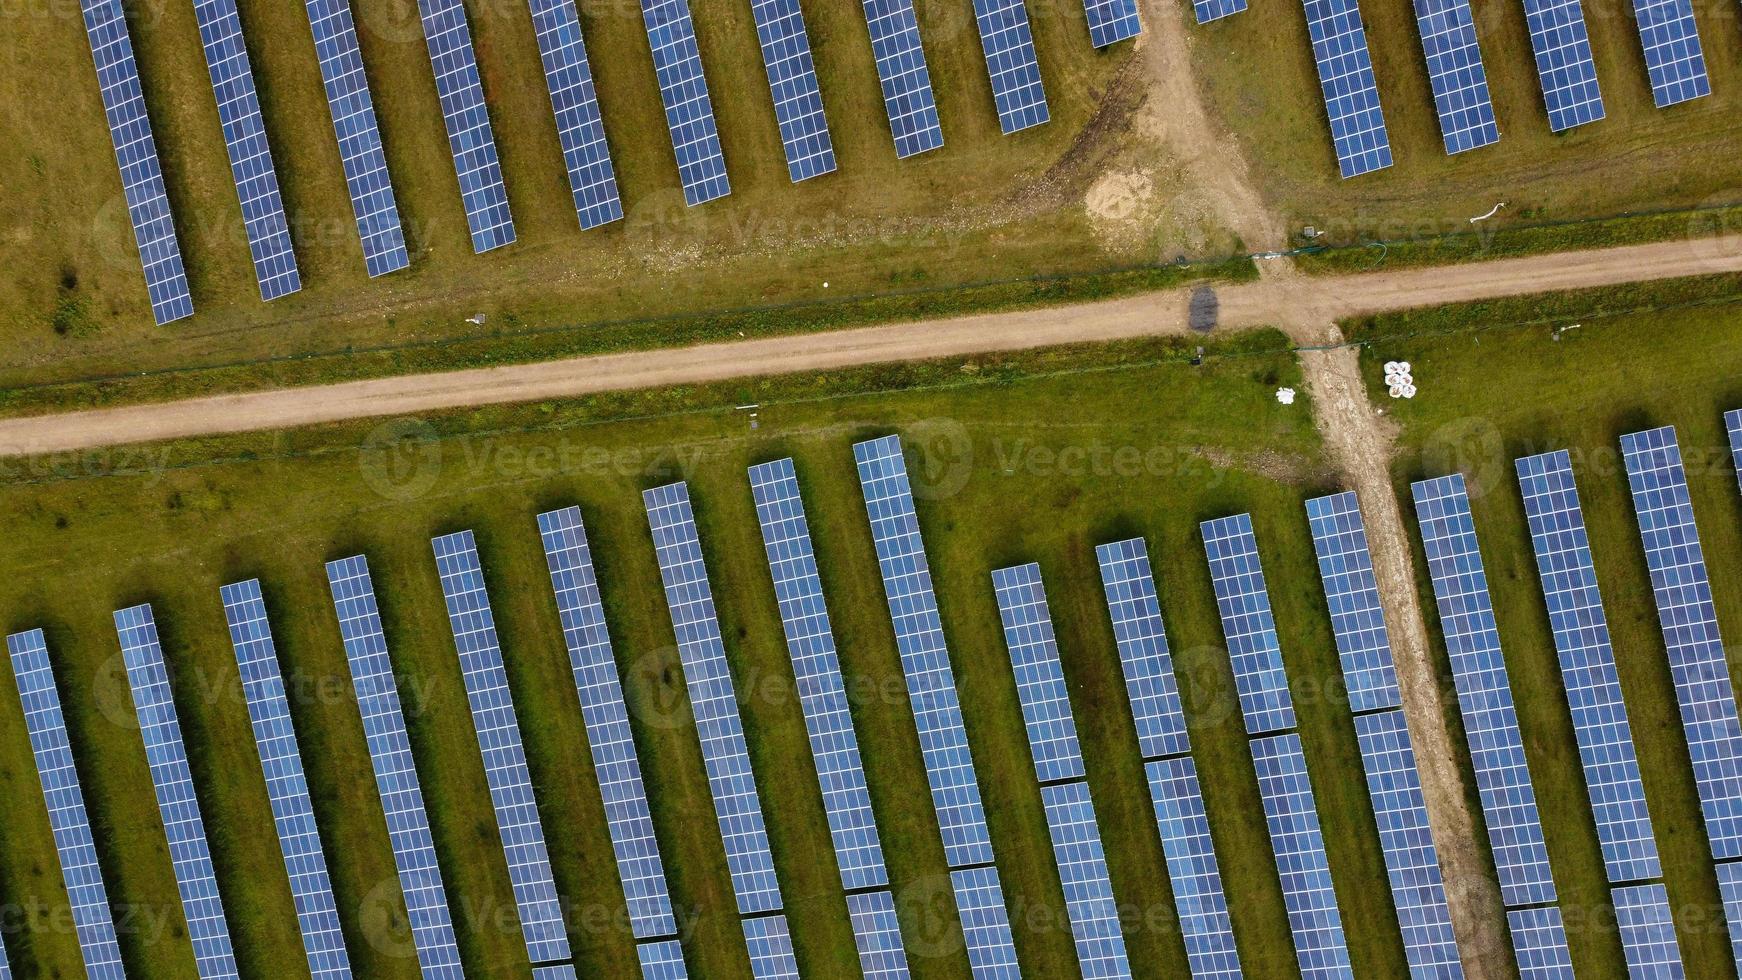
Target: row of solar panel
x=894 y=30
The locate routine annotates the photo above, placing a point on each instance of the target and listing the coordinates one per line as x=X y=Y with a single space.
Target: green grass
x=1506 y=390
x=994 y=441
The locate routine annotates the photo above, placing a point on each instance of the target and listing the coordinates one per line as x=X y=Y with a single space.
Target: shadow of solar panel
x=1192 y=869
x=1539 y=940
x=770 y=945
x=1484 y=692
x=713 y=700
x=1454 y=68
x=1008 y=44
x=1406 y=840
x=299 y=839
x=1648 y=940
x=1563 y=62
x=1674 y=60
x=1587 y=661
x=250 y=156
x=498 y=730
x=166 y=283
x=1040 y=679
x=360 y=152
x=907 y=93
x=1247 y=624
x=396 y=781
x=792 y=81
x=1144 y=658
x=1112 y=21
x=615 y=760
x=985 y=924
x=1682 y=591
x=689 y=113
x=804 y=617
x=1730 y=893
x=1346 y=80
x=470 y=138
x=1082 y=864
x=1352 y=594
x=1307 y=892
x=67 y=818
x=877 y=934
x=1209 y=10
x=579 y=128
x=189 y=856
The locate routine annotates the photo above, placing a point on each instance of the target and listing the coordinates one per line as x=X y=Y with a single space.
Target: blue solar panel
x=907 y=94
x=713 y=700
x=1191 y=867
x=1563 y=62
x=662 y=961
x=1454 y=68
x=1247 y=624
x=1539 y=940
x=359 y=138
x=822 y=693
x=166 y=281
x=607 y=719
x=1352 y=593
x=498 y=730
x=925 y=658
x=1697 y=663
x=1730 y=892
x=1647 y=932
x=420 y=877
x=1112 y=21
x=1009 y=47
x=1040 y=680
x=1346 y=80
x=1484 y=692
x=877 y=934
x=1581 y=635
x=177 y=804
x=470 y=138
x=67 y=818
x=1143 y=652
x=1299 y=846
x=792 y=81
x=1406 y=839
x=1082 y=864
x=1209 y=10
x=293 y=815
x=689 y=113
x=578 y=127
x=555 y=971
x=1733 y=423
x=245 y=139
x=770 y=944
x=1674 y=60
x=985 y=924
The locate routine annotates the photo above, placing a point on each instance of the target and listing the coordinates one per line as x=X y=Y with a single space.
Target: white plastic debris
x=1285 y=396
x=1409 y=391
x=1390 y=368
x=1397 y=391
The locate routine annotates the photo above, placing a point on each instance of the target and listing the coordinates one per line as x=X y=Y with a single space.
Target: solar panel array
x=1082 y=864
x=189 y=855
x=1346 y=80
x=1587 y=659
x=1454 y=68
x=470 y=138
x=662 y=960
x=1466 y=613
x=1112 y=21
x=1247 y=624
x=1733 y=424
x=1539 y=940
x=1008 y=44
x=792 y=81
x=420 y=877
x=770 y=945
x=299 y=839
x=1563 y=62
x=1648 y=940
x=689 y=113
x=498 y=730
x=67 y=819
x=615 y=761
x=1040 y=679
x=1674 y=60
x=1730 y=892
x=579 y=129
x=1683 y=594
x=1162 y=738
x=877 y=935
x=360 y=152
x=1387 y=753
x=907 y=94
x=166 y=281
x=1209 y=10
x=931 y=692
x=250 y=157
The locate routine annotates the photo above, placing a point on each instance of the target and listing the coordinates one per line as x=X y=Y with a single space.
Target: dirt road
x=1278 y=300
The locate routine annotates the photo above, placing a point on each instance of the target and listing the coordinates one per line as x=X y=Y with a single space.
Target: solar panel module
x=1352 y=595
x=1539 y=940
x=1564 y=67
x=1112 y=21
x=1192 y=869
x=689 y=112
x=579 y=127
x=792 y=81
x=1247 y=624
x=1082 y=864
x=901 y=68
x=1008 y=44
x=470 y=138
x=985 y=924
x=877 y=934
x=1733 y=424
x=1647 y=930
x=1351 y=96
x=1040 y=679
x=70 y=824
x=1209 y=10
x=1454 y=67
x=1674 y=61
x=1730 y=893
x=166 y=281
x=1299 y=845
